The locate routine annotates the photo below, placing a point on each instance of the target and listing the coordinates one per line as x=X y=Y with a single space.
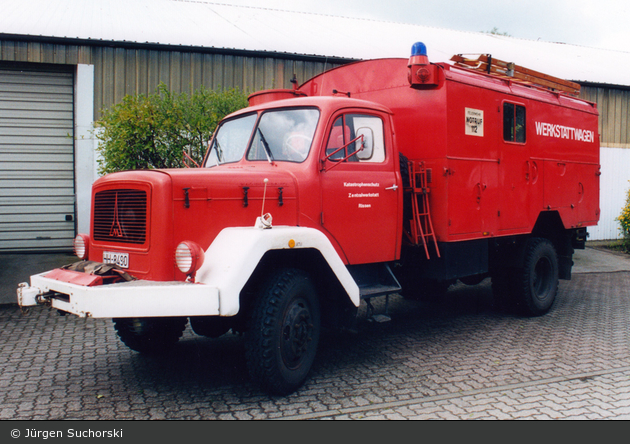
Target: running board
x=374 y=280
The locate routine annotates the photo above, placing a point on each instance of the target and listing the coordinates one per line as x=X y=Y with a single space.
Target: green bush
x=624 y=221
x=152 y=131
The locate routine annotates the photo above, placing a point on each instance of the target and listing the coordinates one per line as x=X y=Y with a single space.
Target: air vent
x=120 y=216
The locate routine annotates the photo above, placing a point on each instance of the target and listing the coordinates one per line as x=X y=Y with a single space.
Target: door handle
x=393 y=187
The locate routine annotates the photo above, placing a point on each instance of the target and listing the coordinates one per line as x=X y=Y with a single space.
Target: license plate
x=120 y=259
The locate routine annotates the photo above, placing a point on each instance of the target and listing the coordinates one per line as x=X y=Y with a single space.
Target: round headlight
x=81 y=246
x=188 y=257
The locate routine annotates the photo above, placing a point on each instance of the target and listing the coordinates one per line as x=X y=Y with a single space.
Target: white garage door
x=37 y=210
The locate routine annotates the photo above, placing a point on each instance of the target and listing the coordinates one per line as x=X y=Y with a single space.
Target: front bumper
x=120 y=300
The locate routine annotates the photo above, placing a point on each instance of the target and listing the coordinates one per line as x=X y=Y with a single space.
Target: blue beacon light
x=418 y=48
x=418 y=54
x=421 y=74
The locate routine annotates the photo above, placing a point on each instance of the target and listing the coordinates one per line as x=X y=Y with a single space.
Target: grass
x=622 y=245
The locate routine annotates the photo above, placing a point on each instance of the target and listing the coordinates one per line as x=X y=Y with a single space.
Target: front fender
x=234 y=254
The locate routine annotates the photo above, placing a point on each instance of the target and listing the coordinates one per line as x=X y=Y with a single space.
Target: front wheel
x=210 y=326
x=537 y=282
x=283 y=332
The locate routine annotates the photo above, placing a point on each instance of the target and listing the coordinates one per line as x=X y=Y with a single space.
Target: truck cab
x=341 y=155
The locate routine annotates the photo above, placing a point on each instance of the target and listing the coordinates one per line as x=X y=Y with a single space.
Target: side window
x=513 y=123
x=337 y=140
x=356 y=138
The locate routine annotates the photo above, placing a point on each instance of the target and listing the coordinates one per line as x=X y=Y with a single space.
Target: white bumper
x=126 y=299
x=230 y=261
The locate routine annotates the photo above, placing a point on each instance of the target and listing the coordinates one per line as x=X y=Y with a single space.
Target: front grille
x=120 y=216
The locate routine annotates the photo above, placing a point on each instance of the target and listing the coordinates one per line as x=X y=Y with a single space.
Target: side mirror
x=364 y=146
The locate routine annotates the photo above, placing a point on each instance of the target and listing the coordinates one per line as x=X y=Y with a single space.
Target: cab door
x=361 y=188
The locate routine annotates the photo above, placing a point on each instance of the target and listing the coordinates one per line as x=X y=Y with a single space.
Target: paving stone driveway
x=461 y=358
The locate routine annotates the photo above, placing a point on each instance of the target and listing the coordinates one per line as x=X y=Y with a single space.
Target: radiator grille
x=120 y=216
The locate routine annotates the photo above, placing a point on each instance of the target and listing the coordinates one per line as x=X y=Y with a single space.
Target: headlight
x=188 y=257
x=82 y=246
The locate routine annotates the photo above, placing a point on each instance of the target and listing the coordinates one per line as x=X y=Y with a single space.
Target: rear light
x=82 y=246
x=189 y=257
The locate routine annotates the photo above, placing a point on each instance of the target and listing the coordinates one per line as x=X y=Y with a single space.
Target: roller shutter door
x=37 y=209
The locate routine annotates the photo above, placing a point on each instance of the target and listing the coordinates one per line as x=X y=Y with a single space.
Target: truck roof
x=367 y=76
x=324 y=103
x=518 y=87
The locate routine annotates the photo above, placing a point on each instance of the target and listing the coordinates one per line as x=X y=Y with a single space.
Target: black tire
x=150 y=335
x=536 y=284
x=283 y=333
x=210 y=326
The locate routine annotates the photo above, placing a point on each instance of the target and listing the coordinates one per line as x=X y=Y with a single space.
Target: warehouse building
x=63 y=61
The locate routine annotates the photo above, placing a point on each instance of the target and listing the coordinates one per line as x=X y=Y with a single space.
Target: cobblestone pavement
x=460 y=358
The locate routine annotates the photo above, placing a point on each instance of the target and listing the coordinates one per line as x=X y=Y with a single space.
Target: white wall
x=614 y=185
x=84 y=156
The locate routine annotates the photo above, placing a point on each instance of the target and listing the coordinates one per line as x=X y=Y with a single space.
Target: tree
x=152 y=131
x=624 y=221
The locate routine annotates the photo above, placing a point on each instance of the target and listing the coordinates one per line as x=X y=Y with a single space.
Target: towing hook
x=24 y=310
x=43 y=299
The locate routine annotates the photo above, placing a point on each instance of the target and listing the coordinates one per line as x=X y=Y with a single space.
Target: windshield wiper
x=266 y=146
x=219 y=150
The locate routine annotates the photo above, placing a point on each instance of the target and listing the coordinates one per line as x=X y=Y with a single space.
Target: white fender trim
x=234 y=254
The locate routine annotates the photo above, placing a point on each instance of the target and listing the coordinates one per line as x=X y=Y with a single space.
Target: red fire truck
x=380 y=177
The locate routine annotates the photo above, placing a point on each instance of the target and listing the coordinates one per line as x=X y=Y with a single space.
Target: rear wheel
x=536 y=283
x=150 y=335
x=283 y=332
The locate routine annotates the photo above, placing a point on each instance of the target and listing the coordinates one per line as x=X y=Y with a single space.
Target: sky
x=595 y=23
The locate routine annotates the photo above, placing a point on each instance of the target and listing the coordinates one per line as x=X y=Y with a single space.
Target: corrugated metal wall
x=120 y=72
x=614 y=114
x=133 y=70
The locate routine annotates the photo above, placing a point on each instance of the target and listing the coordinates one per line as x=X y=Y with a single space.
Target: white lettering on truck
x=564 y=132
x=351 y=195
x=362 y=195
x=361 y=184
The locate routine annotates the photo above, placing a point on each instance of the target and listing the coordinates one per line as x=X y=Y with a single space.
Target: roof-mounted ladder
x=421 y=227
x=487 y=64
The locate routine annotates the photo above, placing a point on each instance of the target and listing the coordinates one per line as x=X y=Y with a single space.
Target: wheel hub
x=541 y=278
x=296 y=333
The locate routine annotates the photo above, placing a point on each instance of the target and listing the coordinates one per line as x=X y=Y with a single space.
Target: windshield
x=284 y=135
x=231 y=140
x=281 y=135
